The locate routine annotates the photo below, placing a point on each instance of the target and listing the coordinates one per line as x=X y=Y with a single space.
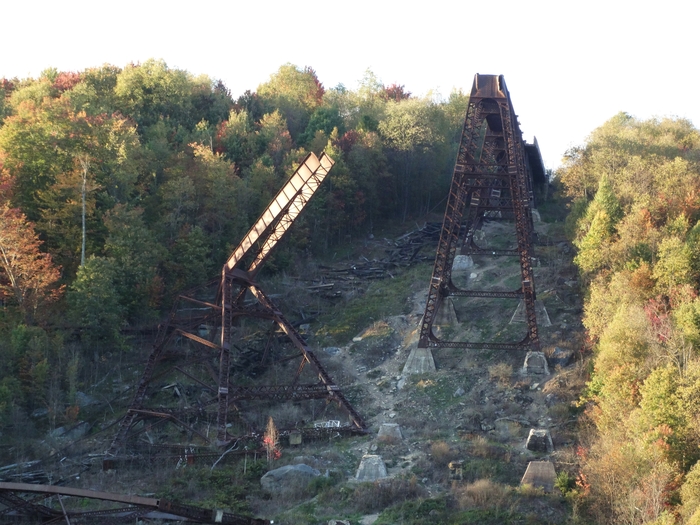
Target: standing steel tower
x=492 y=178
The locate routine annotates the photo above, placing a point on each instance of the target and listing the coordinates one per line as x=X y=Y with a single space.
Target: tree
x=323 y=119
x=94 y=303
x=674 y=265
x=152 y=91
x=295 y=92
x=134 y=257
x=271 y=442
x=408 y=132
x=29 y=277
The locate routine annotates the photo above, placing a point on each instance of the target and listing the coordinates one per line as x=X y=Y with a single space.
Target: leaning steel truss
x=492 y=178
x=207 y=317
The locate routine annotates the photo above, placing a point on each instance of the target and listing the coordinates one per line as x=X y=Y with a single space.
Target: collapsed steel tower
x=493 y=177
x=201 y=331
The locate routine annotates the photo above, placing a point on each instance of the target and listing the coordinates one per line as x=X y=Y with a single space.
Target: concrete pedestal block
x=519 y=316
x=535 y=364
x=371 y=468
x=420 y=361
x=446 y=314
x=540 y=474
x=390 y=431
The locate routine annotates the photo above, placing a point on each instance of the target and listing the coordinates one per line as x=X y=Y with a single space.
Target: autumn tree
x=271 y=442
x=29 y=277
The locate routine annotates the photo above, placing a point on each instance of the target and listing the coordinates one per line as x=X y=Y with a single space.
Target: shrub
x=441 y=452
x=483 y=493
x=501 y=372
x=371 y=497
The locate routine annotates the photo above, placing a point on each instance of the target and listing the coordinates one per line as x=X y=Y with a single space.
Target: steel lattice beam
x=491 y=175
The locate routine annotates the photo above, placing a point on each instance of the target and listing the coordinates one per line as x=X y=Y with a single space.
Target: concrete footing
x=420 y=361
x=446 y=314
x=371 y=468
x=540 y=474
x=535 y=364
x=519 y=316
x=390 y=431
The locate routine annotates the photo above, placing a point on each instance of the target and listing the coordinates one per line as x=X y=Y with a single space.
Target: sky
x=569 y=66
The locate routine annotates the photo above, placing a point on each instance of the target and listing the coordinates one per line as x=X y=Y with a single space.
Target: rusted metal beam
x=222 y=312
x=490 y=176
x=137 y=504
x=297 y=184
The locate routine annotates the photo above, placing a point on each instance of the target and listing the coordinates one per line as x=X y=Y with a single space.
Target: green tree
x=674 y=264
x=295 y=92
x=408 y=132
x=134 y=257
x=94 y=302
x=152 y=91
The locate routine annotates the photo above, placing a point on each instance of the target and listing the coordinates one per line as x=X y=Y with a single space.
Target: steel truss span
x=493 y=178
x=220 y=307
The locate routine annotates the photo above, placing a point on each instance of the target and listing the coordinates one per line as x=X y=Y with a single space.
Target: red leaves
x=348 y=140
x=657 y=311
x=7 y=86
x=65 y=81
x=320 y=90
x=395 y=92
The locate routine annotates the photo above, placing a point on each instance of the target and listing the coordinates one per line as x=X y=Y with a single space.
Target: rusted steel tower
x=493 y=177
x=201 y=331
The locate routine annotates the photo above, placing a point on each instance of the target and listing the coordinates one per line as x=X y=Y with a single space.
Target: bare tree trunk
x=85 y=164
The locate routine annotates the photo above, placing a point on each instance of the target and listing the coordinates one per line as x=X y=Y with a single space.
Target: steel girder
x=491 y=178
x=20 y=500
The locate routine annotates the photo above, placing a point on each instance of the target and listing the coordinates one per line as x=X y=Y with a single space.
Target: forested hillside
x=635 y=220
x=120 y=187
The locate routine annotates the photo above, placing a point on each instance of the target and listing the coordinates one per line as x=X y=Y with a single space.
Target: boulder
x=560 y=357
x=288 y=478
x=84 y=400
x=462 y=262
x=540 y=440
x=73 y=433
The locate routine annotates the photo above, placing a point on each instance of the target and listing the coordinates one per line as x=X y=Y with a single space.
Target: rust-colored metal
x=18 y=507
x=236 y=288
x=493 y=176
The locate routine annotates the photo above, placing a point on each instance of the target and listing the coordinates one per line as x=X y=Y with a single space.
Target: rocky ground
x=478 y=407
x=475 y=409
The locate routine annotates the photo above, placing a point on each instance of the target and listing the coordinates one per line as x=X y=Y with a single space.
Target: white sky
x=569 y=66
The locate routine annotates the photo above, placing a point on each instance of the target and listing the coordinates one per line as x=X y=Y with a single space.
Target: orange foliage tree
x=28 y=277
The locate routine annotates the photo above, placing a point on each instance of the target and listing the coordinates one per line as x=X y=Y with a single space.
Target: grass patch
x=381 y=299
x=440 y=392
x=434 y=510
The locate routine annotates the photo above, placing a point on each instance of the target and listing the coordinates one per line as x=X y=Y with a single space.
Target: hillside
x=477 y=407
